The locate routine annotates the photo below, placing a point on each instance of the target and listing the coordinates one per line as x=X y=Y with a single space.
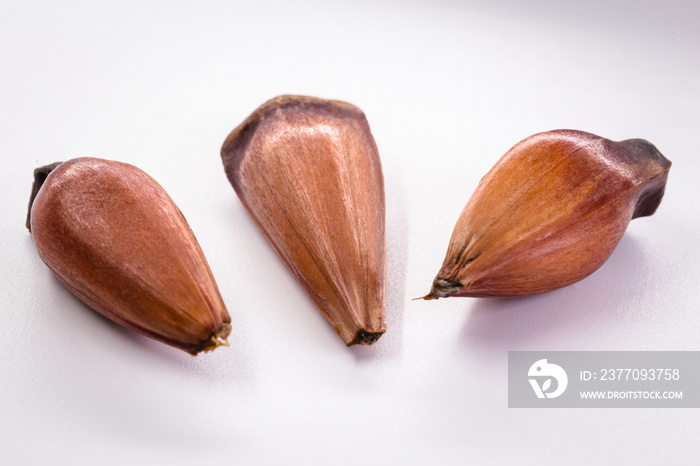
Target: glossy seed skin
x=550 y=213
x=309 y=173
x=113 y=237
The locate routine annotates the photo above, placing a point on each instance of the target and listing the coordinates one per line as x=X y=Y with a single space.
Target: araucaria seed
x=550 y=213
x=113 y=237
x=308 y=171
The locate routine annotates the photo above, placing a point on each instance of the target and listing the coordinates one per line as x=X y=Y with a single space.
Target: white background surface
x=447 y=88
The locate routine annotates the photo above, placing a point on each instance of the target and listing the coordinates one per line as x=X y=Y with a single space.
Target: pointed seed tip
x=363 y=337
x=218 y=338
x=443 y=288
x=430 y=296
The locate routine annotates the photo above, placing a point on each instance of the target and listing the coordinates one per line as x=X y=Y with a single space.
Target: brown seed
x=550 y=213
x=308 y=171
x=113 y=237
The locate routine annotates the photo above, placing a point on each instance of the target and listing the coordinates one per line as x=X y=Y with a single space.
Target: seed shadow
x=576 y=317
x=210 y=366
x=224 y=366
x=79 y=368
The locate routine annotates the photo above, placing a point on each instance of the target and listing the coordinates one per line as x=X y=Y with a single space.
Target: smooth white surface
x=447 y=88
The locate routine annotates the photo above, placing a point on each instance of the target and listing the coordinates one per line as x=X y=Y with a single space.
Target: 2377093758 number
x=639 y=374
